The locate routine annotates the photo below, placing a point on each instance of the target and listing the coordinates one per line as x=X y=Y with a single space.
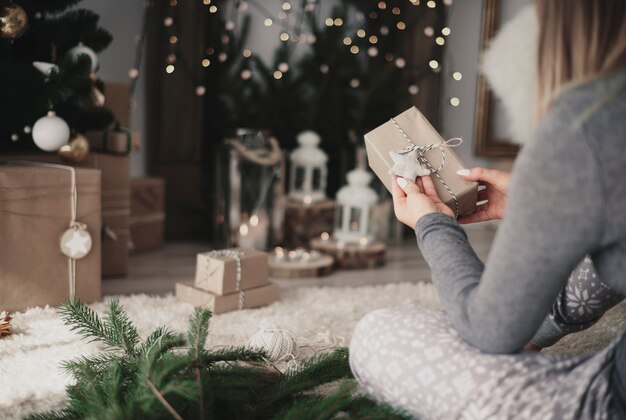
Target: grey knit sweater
x=567 y=198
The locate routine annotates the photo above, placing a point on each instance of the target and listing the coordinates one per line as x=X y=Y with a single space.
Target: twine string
x=423 y=160
x=236 y=255
x=73 y=205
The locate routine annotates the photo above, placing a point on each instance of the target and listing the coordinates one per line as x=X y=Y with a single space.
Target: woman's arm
x=554 y=217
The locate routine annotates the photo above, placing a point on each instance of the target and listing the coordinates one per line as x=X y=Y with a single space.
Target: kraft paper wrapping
x=254 y=298
x=115 y=202
x=219 y=274
x=386 y=138
x=34 y=212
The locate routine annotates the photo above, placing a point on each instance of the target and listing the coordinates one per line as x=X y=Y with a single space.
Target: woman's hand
x=412 y=200
x=492 y=192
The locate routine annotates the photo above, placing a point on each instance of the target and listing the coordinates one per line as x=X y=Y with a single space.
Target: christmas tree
x=168 y=375
x=48 y=61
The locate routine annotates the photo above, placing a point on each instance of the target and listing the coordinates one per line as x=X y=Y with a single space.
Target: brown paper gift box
x=34 y=212
x=386 y=138
x=147 y=213
x=254 y=298
x=115 y=203
x=219 y=274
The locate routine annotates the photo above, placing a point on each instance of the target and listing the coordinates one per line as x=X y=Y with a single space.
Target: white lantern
x=354 y=202
x=308 y=169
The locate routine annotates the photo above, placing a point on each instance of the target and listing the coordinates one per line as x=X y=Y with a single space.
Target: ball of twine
x=279 y=344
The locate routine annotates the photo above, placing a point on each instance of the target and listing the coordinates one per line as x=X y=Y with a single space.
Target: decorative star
x=407 y=166
x=77 y=244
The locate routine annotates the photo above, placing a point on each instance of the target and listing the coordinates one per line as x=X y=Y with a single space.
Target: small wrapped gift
x=228 y=271
x=245 y=299
x=147 y=213
x=40 y=230
x=409 y=146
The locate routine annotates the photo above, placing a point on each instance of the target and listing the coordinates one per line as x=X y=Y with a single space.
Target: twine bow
x=423 y=160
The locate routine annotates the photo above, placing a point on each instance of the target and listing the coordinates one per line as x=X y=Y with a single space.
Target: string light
x=372 y=51
x=200 y=90
x=133 y=73
x=168 y=21
x=206 y=2
x=284 y=37
x=278 y=75
x=389 y=57
x=440 y=41
x=171 y=58
x=382 y=5
x=445 y=31
x=384 y=30
x=373 y=39
x=283 y=67
x=414 y=89
x=454 y=101
x=206 y=62
x=347 y=41
x=354 y=49
x=338 y=22
x=329 y=21
x=324 y=68
x=170 y=69
x=222 y=57
x=213 y=9
x=173 y=39
x=247 y=53
x=429 y=31
x=431 y=4
x=246 y=74
x=286 y=6
x=400 y=62
x=401 y=25
x=229 y=25
x=355 y=83
x=360 y=33
x=282 y=15
x=457 y=75
x=433 y=64
x=395 y=11
x=268 y=22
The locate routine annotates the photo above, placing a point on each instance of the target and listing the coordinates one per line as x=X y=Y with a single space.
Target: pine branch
x=233 y=354
x=198 y=331
x=121 y=328
x=162 y=400
x=84 y=321
x=158 y=335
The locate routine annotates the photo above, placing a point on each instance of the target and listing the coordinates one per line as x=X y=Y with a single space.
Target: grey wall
x=123 y=19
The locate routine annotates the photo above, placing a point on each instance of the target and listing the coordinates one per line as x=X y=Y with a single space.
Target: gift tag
x=76 y=242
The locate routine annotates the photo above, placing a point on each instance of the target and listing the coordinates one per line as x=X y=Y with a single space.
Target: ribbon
x=422 y=160
x=74 y=224
x=236 y=255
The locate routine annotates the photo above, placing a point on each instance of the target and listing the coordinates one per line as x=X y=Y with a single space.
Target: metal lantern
x=308 y=169
x=354 y=203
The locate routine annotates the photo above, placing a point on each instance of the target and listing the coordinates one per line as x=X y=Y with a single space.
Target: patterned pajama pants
x=412 y=358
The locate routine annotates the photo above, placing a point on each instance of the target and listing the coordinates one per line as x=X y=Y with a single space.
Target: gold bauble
x=13 y=21
x=76 y=150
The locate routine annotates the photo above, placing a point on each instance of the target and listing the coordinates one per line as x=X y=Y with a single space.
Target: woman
x=567 y=199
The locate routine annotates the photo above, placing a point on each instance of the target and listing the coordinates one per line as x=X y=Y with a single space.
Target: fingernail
x=402 y=182
x=482 y=202
x=481 y=187
x=463 y=172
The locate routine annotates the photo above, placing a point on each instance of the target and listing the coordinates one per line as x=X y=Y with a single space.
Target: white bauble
x=50 y=132
x=83 y=49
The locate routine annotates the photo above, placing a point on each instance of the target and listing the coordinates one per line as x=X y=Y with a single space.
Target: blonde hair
x=579 y=41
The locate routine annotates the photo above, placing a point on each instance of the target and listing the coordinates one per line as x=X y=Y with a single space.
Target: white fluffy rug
x=31 y=380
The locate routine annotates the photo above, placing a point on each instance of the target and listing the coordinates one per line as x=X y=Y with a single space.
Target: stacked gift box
x=147 y=213
x=230 y=280
x=35 y=210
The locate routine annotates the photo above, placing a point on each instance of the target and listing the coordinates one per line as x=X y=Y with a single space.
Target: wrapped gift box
x=218 y=274
x=387 y=138
x=35 y=206
x=253 y=298
x=115 y=204
x=147 y=213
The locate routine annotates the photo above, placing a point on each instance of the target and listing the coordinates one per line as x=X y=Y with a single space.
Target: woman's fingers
x=429 y=188
x=396 y=191
x=407 y=186
x=480 y=174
